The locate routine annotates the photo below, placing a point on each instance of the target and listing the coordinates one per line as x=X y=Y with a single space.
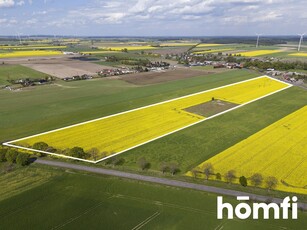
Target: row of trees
x=173 y=168
x=165 y=167
x=77 y=152
x=265 y=41
x=279 y=65
x=94 y=153
x=14 y=156
x=248 y=62
x=256 y=179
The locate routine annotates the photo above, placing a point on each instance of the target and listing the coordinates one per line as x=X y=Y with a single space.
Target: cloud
x=230 y=11
x=185 y=17
x=11 y=3
x=20 y=3
x=43 y=12
x=6 y=3
x=191 y=17
x=31 y=21
x=4 y=22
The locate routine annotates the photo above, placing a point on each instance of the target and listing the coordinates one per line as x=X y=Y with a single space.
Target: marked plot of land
x=279 y=150
x=121 y=132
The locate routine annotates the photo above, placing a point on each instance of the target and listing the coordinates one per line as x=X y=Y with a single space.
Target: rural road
x=164 y=181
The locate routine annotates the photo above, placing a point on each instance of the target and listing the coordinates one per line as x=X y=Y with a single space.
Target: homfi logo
x=243 y=210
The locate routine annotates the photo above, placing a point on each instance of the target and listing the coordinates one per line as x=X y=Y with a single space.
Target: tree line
x=279 y=65
x=14 y=156
x=76 y=151
x=256 y=179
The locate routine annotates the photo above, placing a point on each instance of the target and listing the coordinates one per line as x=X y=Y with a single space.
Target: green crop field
x=55 y=106
x=13 y=72
x=73 y=200
x=50 y=107
x=65 y=103
x=136 y=115
x=204 y=140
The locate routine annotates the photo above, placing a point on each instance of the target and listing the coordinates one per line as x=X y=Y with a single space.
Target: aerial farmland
x=169 y=116
x=143 y=107
x=121 y=117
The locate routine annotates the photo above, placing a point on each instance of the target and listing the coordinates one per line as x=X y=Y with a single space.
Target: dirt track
x=164 y=181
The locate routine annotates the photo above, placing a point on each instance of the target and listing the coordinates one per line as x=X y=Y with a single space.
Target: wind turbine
x=300 y=42
x=257 y=43
x=18 y=34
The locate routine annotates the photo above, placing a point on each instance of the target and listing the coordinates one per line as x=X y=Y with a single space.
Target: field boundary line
x=41 y=151
x=132 y=110
x=159 y=103
x=197 y=122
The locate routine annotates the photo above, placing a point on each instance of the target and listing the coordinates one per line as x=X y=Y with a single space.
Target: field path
x=164 y=181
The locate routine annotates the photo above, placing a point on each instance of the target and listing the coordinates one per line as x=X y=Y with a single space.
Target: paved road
x=164 y=181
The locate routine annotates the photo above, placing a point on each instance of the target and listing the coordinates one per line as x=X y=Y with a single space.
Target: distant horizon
x=142 y=36
x=153 y=18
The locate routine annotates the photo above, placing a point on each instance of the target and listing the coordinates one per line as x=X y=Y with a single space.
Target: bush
x=174 y=168
x=256 y=179
x=271 y=182
x=143 y=163
x=40 y=146
x=164 y=167
x=230 y=176
x=22 y=159
x=218 y=176
x=208 y=170
x=11 y=155
x=51 y=149
x=93 y=152
x=115 y=161
x=243 y=181
x=77 y=152
x=2 y=154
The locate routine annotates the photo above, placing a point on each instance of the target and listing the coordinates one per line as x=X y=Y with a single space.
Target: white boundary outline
x=159 y=103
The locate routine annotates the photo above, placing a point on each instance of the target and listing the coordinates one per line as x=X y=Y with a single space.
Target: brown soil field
x=61 y=67
x=163 y=76
x=211 y=108
x=60 y=70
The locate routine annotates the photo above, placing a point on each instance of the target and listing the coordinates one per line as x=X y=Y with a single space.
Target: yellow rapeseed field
x=279 y=150
x=255 y=53
x=29 y=53
x=31 y=47
x=174 y=44
x=99 y=52
x=129 y=48
x=123 y=131
x=212 y=51
x=208 y=45
x=298 y=54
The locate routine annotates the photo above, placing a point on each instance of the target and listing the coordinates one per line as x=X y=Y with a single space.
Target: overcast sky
x=153 y=17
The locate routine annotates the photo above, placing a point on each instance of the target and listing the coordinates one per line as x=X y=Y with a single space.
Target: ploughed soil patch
x=162 y=76
x=211 y=108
